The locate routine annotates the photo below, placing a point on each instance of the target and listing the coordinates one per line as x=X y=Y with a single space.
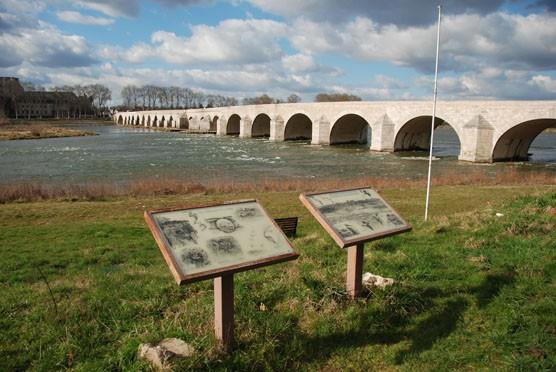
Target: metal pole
x=433 y=112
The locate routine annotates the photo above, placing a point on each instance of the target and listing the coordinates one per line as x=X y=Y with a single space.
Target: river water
x=121 y=154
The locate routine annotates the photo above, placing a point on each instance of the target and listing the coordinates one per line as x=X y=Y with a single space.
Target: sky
x=377 y=49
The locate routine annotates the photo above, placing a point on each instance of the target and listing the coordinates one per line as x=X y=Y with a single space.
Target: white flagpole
x=433 y=112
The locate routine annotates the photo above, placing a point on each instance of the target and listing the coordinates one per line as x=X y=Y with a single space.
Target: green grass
x=473 y=291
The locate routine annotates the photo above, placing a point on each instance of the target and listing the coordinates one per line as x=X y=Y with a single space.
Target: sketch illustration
x=392 y=218
x=357 y=213
x=269 y=234
x=347 y=230
x=178 y=232
x=247 y=212
x=209 y=238
x=226 y=245
x=225 y=224
x=196 y=257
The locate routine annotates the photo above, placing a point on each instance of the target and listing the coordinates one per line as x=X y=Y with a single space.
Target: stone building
x=18 y=103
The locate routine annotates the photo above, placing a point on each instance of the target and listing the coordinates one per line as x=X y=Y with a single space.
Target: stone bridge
x=487 y=130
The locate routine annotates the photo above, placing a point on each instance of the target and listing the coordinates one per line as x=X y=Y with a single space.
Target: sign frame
x=182 y=278
x=327 y=225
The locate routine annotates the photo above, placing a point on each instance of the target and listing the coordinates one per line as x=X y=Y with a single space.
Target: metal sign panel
x=354 y=216
x=209 y=241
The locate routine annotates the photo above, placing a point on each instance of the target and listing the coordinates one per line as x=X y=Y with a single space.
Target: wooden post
x=224 y=310
x=354 y=270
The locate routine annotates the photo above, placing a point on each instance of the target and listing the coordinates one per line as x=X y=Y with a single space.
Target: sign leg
x=224 y=310
x=354 y=270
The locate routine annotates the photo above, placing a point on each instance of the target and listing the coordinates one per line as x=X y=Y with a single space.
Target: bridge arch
x=155 y=121
x=414 y=134
x=261 y=126
x=149 y=121
x=137 y=120
x=162 y=122
x=350 y=128
x=298 y=127
x=514 y=143
x=232 y=127
x=120 y=119
x=143 y=120
x=170 y=122
x=184 y=122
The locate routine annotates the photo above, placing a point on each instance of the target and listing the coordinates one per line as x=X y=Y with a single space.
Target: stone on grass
x=372 y=280
x=161 y=355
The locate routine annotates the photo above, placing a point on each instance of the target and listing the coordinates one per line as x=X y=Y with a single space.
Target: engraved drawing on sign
x=194 y=217
x=178 y=232
x=247 y=212
x=224 y=246
x=351 y=205
x=196 y=257
x=393 y=219
x=269 y=235
x=347 y=230
x=368 y=225
x=225 y=224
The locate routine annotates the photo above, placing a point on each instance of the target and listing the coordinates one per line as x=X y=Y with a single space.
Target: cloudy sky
x=378 y=49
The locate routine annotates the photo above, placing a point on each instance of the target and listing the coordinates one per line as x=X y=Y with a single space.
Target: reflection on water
x=120 y=154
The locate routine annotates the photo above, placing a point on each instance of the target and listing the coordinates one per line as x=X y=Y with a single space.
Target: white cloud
x=44 y=46
x=130 y=8
x=388 y=82
x=22 y=7
x=76 y=17
x=492 y=83
x=112 y=8
x=299 y=63
x=468 y=41
x=232 y=41
x=399 y=12
x=544 y=82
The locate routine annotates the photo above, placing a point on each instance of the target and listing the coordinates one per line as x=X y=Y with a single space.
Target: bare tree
x=336 y=97
x=100 y=96
x=126 y=94
x=260 y=100
x=294 y=98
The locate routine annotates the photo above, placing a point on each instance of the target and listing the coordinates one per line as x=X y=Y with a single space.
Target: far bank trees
x=150 y=97
x=336 y=97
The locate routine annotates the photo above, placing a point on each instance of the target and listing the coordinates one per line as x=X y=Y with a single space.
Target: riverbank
x=472 y=290
x=38 y=129
x=28 y=192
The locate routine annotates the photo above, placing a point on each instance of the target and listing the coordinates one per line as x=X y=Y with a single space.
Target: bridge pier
x=221 y=124
x=321 y=132
x=245 y=127
x=277 y=129
x=383 y=133
x=194 y=123
x=476 y=142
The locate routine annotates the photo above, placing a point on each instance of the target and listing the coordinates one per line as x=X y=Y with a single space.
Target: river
x=121 y=154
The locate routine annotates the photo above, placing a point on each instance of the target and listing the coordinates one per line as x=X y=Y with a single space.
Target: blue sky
x=379 y=50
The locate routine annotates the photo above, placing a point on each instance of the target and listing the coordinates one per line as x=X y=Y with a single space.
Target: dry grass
x=25 y=192
x=37 y=130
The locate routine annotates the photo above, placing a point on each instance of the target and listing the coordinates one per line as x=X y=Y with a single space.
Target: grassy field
x=83 y=284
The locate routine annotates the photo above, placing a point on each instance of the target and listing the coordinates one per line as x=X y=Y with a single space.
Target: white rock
x=499 y=214
x=160 y=355
x=372 y=280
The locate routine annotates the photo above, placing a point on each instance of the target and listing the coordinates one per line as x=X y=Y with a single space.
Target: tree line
x=151 y=97
x=148 y=97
